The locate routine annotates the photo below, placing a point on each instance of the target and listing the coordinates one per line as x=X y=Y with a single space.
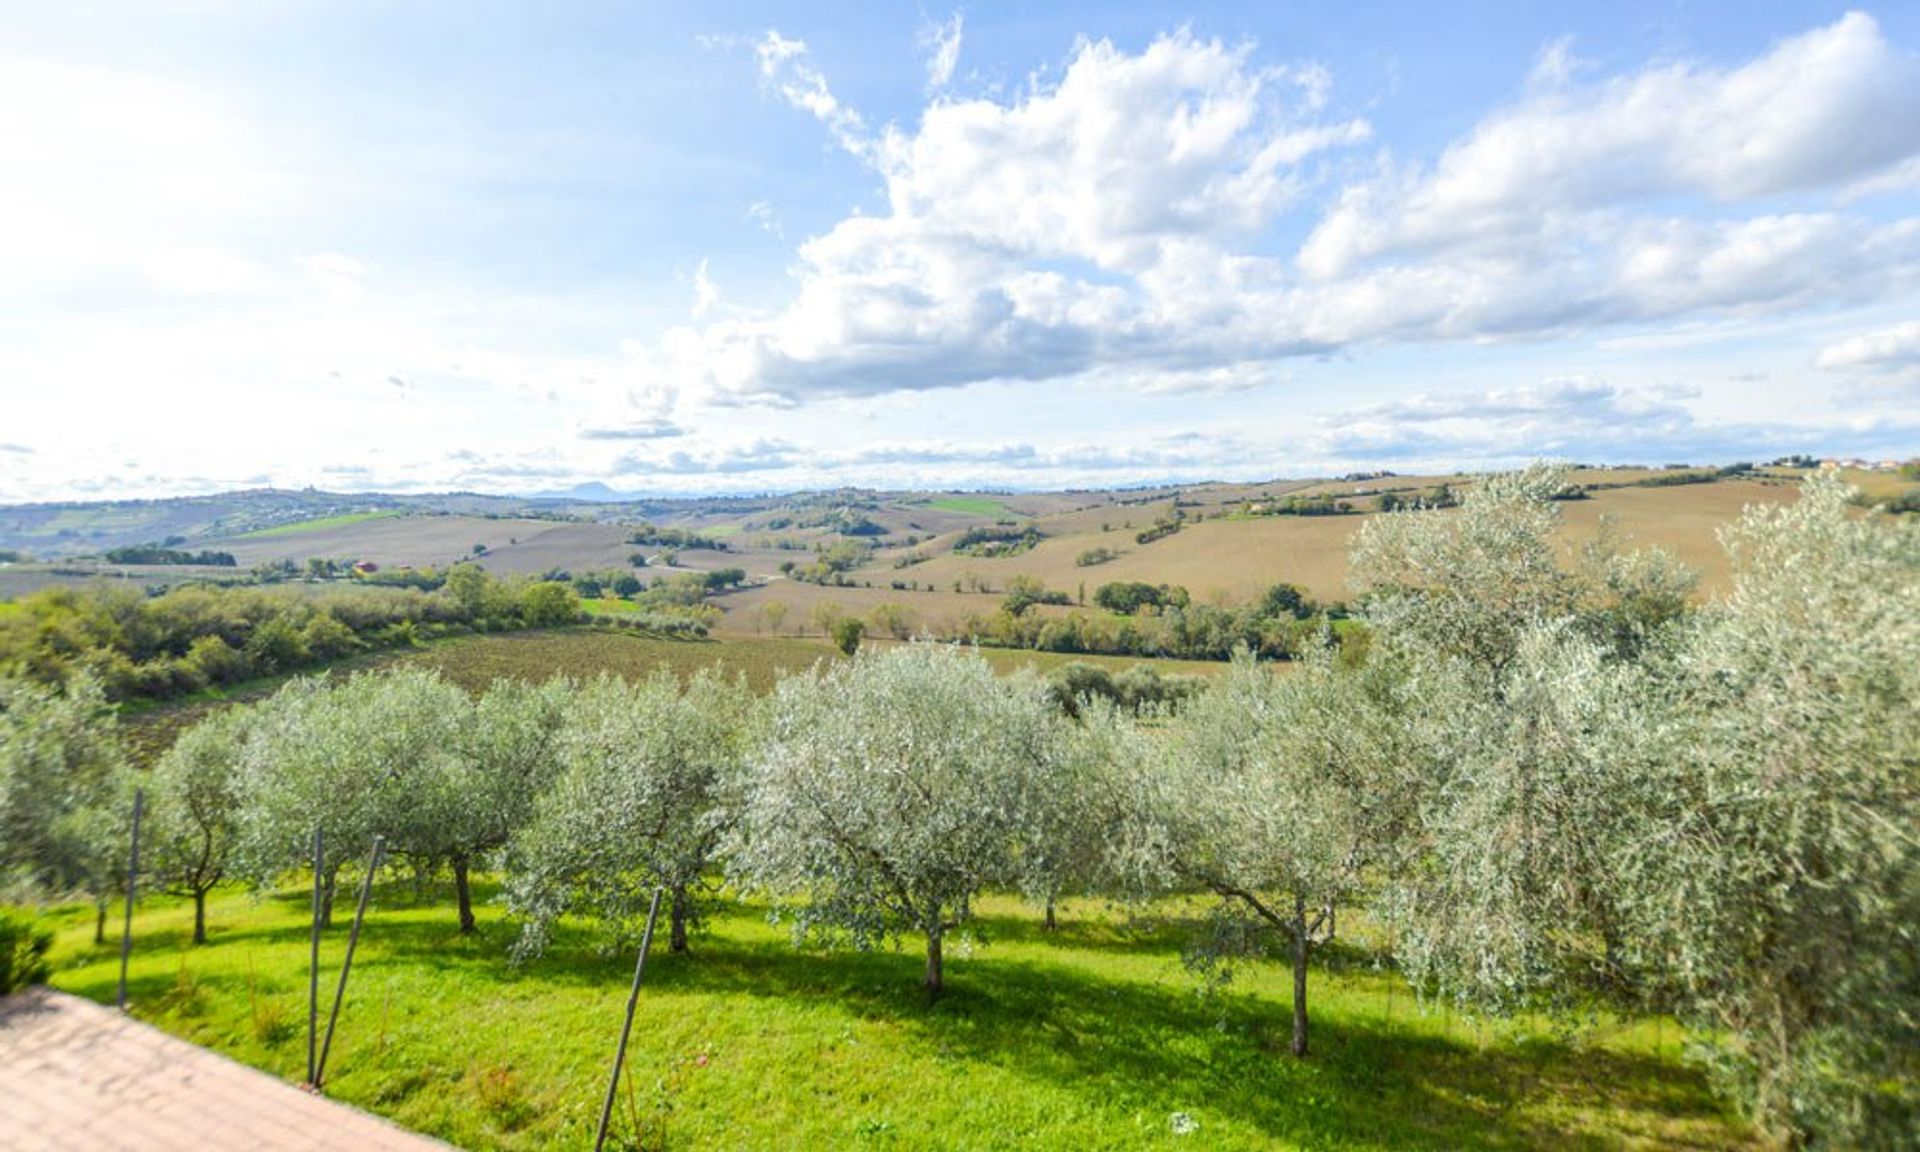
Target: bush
x=847 y=631
x=23 y=951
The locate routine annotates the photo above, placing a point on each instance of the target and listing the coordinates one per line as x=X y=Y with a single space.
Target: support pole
x=346 y=966
x=313 y=970
x=626 y=1029
x=133 y=878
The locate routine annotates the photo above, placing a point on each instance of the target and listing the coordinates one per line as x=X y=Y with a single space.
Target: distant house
x=365 y=568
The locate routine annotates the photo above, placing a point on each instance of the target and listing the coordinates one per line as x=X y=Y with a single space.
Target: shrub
x=23 y=951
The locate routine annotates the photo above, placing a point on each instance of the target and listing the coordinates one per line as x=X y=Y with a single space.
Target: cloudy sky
x=736 y=247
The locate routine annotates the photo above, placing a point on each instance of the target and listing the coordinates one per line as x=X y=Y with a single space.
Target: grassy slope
x=1087 y=1039
x=317 y=524
x=971 y=506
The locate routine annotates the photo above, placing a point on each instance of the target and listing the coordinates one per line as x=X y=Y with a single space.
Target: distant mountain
x=594 y=493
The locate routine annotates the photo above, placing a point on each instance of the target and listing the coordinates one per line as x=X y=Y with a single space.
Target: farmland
x=1090 y=1037
x=317 y=524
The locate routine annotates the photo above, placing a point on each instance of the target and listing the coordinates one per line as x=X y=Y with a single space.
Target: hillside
x=933 y=555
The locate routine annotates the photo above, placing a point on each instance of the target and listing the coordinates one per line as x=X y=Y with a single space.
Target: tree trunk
x=1299 y=977
x=1051 y=925
x=99 y=921
x=682 y=906
x=935 y=976
x=200 y=916
x=326 y=898
x=463 y=892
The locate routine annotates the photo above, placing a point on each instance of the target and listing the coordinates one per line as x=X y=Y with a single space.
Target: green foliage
x=1276 y=795
x=547 y=604
x=194 y=637
x=1128 y=597
x=1778 y=825
x=24 y=945
x=193 y=808
x=847 y=632
x=640 y=802
x=677 y=538
x=156 y=554
x=887 y=793
x=998 y=541
x=61 y=818
x=1093 y=557
x=1139 y=689
x=1161 y=528
x=1025 y=591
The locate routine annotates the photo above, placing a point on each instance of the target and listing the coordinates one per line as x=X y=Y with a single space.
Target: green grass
x=972 y=506
x=10 y=608
x=608 y=606
x=1089 y=1038
x=317 y=524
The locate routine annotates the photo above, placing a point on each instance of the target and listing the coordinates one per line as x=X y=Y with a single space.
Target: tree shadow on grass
x=1124 y=1045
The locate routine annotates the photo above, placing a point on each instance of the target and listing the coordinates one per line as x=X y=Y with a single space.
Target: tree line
x=133 y=646
x=1546 y=781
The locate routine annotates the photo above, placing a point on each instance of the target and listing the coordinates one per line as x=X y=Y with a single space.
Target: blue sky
x=740 y=247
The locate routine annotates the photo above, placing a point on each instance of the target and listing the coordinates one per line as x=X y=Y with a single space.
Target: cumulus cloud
x=1093 y=221
x=1895 y=349
x=1117 y=225
x=941 y=43
x=1819 y=110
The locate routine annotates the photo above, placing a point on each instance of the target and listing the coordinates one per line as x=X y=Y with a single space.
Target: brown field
x=436 y=541
x=1219 y=558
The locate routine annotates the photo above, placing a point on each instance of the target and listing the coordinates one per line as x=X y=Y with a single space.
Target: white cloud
x=1576 y=418
x=1895 y=349
x=1079 y=224
x=1119 y=224
x=762 y=214
x=941 y=42
x=706 y=294
x=785 y=66
x=1822 y=109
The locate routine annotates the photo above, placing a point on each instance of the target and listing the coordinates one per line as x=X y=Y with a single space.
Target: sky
x=737 y=247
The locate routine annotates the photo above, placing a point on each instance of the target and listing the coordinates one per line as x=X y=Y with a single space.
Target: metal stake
x=313 y=969
x=133 y=875
x=633 y=998
x=346 y=966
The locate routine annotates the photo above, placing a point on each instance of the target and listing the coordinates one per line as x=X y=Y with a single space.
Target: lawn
x=1089 y=1038
x=317 y=524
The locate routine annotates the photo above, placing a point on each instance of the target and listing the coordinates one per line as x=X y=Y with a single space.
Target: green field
x=608 y=606
x=1091 y=1037
x=317 y=524
x=972 y=506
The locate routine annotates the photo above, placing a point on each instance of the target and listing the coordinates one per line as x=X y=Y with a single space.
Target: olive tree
x=356 y=759
x=1272 y=793
x=62 y=819
x=639 y=802
x=1777 y=856
x=459 y=808
x=1070 y=803
x=1528 y=670
x=192 y=821
x=886 y=793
